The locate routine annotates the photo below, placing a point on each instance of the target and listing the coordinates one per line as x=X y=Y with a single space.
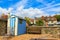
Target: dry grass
x=29 y=36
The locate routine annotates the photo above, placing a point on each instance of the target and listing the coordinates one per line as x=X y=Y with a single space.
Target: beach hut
x=16 y=25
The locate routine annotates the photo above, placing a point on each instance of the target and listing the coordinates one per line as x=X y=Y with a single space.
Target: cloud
x=51 y=7
x=45 y=3
x=10 y=10
x=31 y=12
x=20 y=3
x=13 y=8
x=5 y=11
x=57 y=9
x=18 y=9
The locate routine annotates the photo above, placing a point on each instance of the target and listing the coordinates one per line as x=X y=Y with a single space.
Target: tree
x=39 y=23
x=27 y=20
x=57 y=17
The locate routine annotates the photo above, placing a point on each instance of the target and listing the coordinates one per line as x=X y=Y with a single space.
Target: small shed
x=16 y=25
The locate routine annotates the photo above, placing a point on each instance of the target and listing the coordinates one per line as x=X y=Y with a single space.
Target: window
x=21 y=21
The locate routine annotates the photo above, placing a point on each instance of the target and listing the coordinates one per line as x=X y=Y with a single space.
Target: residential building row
x=48 y=21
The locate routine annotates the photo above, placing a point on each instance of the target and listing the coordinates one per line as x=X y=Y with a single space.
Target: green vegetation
x=39 y=23
x=27 y=20
x=58 y=17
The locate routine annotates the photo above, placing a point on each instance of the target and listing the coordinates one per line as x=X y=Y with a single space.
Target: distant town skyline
x=30 y=8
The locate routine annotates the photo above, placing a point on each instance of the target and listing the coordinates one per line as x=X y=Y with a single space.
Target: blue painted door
x=12 y=26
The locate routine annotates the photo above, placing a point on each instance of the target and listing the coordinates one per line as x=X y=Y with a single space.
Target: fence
x=3 y=27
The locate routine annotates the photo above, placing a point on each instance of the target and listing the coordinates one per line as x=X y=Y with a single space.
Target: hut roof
x=18 y=17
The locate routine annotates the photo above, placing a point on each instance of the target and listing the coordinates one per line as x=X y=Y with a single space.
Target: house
x=58 y=23
x=16 y=25
x=4 y=16
x=49 y=20
x=32 y=21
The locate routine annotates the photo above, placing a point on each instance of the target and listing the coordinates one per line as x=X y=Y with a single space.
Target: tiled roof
x=4 y=18
x=48 y=18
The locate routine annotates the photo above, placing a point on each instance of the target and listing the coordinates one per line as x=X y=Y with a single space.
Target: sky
x=30 y=8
